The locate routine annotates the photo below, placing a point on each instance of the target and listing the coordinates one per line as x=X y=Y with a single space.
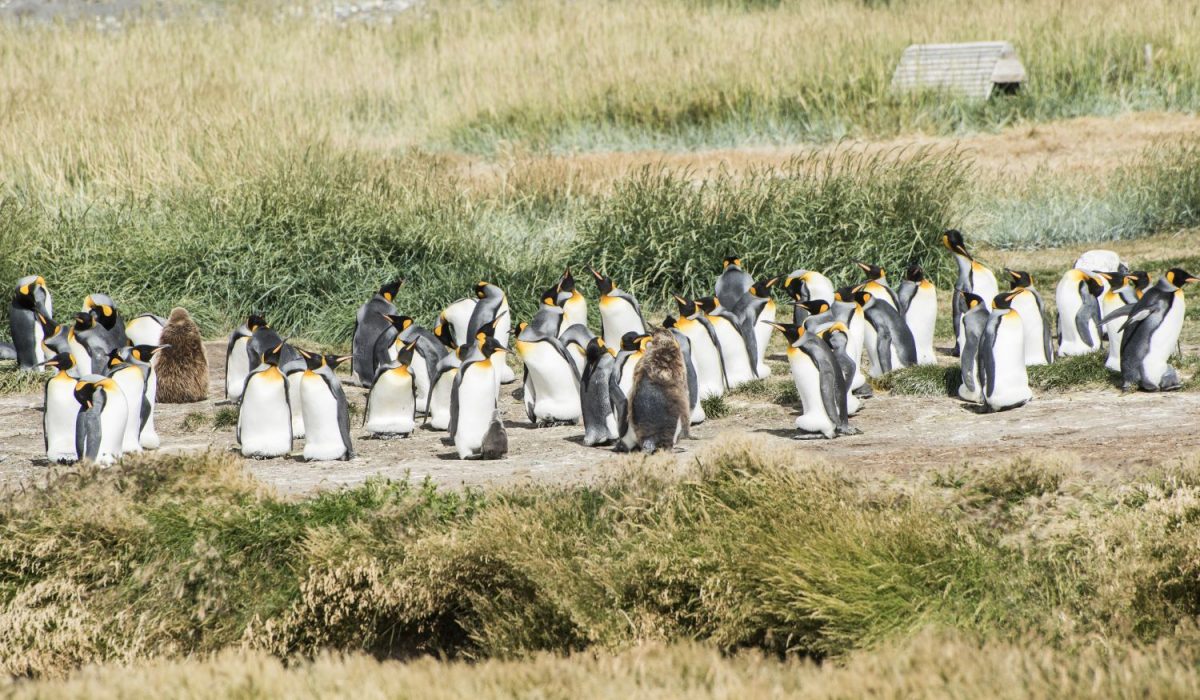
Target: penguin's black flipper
x=620 y=404
x=1088 y=311
x=453 y=427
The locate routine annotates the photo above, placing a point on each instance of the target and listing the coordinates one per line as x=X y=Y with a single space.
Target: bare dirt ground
x=901 y=435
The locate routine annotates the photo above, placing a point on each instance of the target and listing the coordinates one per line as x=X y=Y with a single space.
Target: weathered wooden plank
x=971 y=68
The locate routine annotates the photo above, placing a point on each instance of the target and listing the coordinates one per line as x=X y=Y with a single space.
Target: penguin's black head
x=488 y=330
x=795 y=288
x=49 y=326
x=1139 y=279
x=85 y=394
x=256 y=321
x=63 y=361
x=915 y=273
x=145 y=353
x=708 y=304
x=550 y=296
x=953 y=240
x=84 y=321
x=687 y=307
x=631 y=341
x=103 y=308
x=406 y=352
x=1003 y=300
x=334 y=360
x=814 y=306
x=731 y=260
x=792 y=333
x=312 y=360
x=1094 y=285
x=391 y=289
x=668 y=322
x=1019 y=278
x=400 y=323
x=596 y=348
x=873 y=272
x=762 y=288
x=272 y=356
x=443 y=333
x=566 y=283
x=845 y=293
x=835 y=332
x=604 y=283
x=115 y=360
x=970 y=300
x=862 y=297
x=491 y=346
x=1179 y=276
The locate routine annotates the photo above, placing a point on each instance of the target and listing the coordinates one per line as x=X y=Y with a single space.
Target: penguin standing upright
x=100 y=424
x=1003 y=381
x=428 y=350
x=56 y=337
x=574 y=305
x=1078 y=313
x=108 y=320
x=440 y=394
x=237 y=356
x=392 y=403
x=145 y=329
x=820 y=382
x=182 y=367
x=369 y=323
x=658 y=412
x=733 y=282
x=757 y=311
x=877 y=284
x=1026 y=301
x=326 y=415
x=1151 y=334
x=60 y=409
x=633 y=346
x=972 y=277
x=970 y=332
x=706 y=347
x=30 y=299
x=143 y=356
x=455 y=319
x=738 y=344
x=809 y=285
x=132 y=382
x=264 y=427
x=599 y=419
x=290 y=363
x=492 y=308
x=890 y=343
x=551 y=377
x=91 y=344
x=1114 y=297
x=849 y=313
x=80 y=323
x=918 y=302
x=620 y=312
x=473 y=401
x=697 y=415
x=837 y=337
x=576 y=339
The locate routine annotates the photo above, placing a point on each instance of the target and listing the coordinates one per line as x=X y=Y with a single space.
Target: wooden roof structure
x=973 y=69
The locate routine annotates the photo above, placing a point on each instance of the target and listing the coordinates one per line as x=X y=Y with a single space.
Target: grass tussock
x=1068 y=373
x=15 y=381
x=172 y=556
x=715 y=407
x=920 y=380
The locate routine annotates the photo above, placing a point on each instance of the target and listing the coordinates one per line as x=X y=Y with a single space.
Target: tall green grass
x=172 y=556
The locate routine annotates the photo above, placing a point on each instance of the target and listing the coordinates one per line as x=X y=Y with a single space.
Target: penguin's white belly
x=59 y=419
x=264 y=422
x=1032 y=325
x=1011 y=385
x=1163 y=342
x=1112 y=329
x=391 y=409
x=500 y=369
x=1067 y=298
x=39 y=350
x=149 y=437
x=295 y=400
x=921 y=318
x=856 y=337
x=458 y=315
x=762 y=337
x=578 y=356
x=476 y=405
x=420 y=378
x=625 y=381
x=145 y=330
x=237 y=366
x=618 y=317
x=808 y=385
x=323 y=435
x=556 y=395
x=575 y=311
x=733 y=352
x=83 y=361
x=113 y=420
x=132 y=385
x=983 y=284
x=439 y=401
x=706 y=357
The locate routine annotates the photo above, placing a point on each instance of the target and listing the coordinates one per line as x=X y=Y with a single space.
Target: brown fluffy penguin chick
x=658 y=401
x=181 y=367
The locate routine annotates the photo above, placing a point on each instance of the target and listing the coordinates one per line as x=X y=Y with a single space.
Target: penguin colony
x=633 y=386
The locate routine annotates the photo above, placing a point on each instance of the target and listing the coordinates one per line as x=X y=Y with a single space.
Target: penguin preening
x=264 y=427
x=820 y=382
x=1025 y=300
x=972 y=277
x=145 y=329
x=1078 y=313
x=918 y=302
x=30 y=299
x=454 y=320
x=326 y=415
x=108 y=320
x=100 y=423
x=60 y=410
x=658 y=413
x=620 y=312
x=369 y=323
x=1150 y=335
x=809 y=285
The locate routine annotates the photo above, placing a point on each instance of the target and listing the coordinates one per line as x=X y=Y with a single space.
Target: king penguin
x=970 y=331
x=809 y=285
x=1025 y=300
x=658 y=414
x=599 y=419
x=837 y=337
x=918 y=302
x=455 y=319
x=473 y=401
x=633 y=347
x=877 y=284
x=757 y=311
x=143 y=357
x=326 y=415
x=738 y=343
x=1078 y=313
x=551 y=376
x=108 y=319
x=369 y=323
x=1114 y=297
x=30 y=299
x=56 y=338
x=428 y=352
x=972 y=277
x=264 y=426
x=697 y=415
x=1001 y=359
x=392 y=403
x=61 y=410
x=145 y=329
x=732 y=283
x=576 y=339
x=820 y=382
x=89 y=344
x=438 y=407
x=706 y=347
x=492 y=308
x=100 y=424
x=620 y=312
x=1151 y=334
x=574 y=305
x=237 y=356
x=131 y=380
x=889 y=342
